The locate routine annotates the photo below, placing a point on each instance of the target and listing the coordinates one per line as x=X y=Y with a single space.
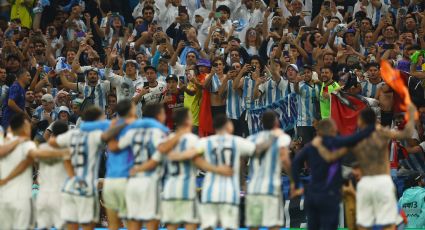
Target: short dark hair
x=269 y=119
x=123 y=107
x=368 y=116
x=223 y=8
x=220 y=121
x=17 y=121
x=324 y=126
x=147 y=8
x=91 y=113
x=180 y=115
x=59 y=127
x=21 y=72
x=152 y=110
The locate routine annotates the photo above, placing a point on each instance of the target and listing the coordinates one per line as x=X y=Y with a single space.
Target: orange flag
x=392 y=78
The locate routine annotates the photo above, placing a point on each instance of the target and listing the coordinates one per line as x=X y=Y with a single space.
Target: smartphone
x=182 y=9
x=401 y=12
x=285 y=53
x=146 y=85
x=344 y=46
x=307 y=13
x=350 y=9
x=217 y=15
x=388 y=46
x=285 y=31
x=130 y=26
x=221 y=51
x=159 y=29
x=182 y=80
x=327 y=4
x=287 y=46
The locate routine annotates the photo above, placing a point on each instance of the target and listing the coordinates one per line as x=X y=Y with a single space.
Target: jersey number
x=226 y=156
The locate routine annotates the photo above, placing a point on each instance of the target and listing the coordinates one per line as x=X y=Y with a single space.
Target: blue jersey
x=180 y=177
x=233 y=102
x=307 y=97
x=248 y=100
x=265 y=170
x=223 y=150
x=85 y=148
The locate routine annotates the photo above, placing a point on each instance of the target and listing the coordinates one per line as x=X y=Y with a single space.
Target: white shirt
x=52 y=173
x=21 y=186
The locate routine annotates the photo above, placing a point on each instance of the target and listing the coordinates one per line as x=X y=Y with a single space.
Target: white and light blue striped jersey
x=306 y=99
x=125 y=87
x=180 y=177
x=233 y=102
x=215 y=83
x=85 y=151
x=4 y=89
x=144 y=143
x=39 y=111
x=248 y=100
x=369 y=89
x=265 y=170
x=223 y=150
x=100 y=92
x=273 y=91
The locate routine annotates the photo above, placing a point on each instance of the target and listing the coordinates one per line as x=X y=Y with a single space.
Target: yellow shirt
x=193 y=103
x=22 y=9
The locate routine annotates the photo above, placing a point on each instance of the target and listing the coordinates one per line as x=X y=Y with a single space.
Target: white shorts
x=114 y=195
x=227 y=215
x=376 y=201
x=79 y=209
x=17 y=214
x=179 y=212
x=48 y=206
x=263 y=211
x=142 y=198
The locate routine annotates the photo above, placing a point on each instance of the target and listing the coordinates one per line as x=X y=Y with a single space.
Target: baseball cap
x=149 y=67
x=64 y=109
x=171 y=77
x=204 y=62
x=47 y=98
x=293 y=66
x=307 y=66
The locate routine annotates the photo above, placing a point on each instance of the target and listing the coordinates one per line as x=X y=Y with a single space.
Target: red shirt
x=176 y=102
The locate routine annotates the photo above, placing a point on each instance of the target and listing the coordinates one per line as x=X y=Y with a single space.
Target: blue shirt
x=17 y=94
x=326 y=179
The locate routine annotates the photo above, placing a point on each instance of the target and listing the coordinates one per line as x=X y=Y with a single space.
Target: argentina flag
x=287 y=111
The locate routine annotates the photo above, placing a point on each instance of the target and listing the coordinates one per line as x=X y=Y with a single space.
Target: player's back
x=180 y=177
x=143 y=143
x=20 y=187
x=52 y=172
x=265 y=169
x=223 y=150
x=85 y=151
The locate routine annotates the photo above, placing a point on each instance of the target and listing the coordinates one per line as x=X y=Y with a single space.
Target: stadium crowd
x=233 y=58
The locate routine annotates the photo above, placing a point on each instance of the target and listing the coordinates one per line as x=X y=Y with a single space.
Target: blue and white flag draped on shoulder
x=286 y=108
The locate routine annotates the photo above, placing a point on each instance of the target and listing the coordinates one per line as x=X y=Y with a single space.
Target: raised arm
x=351 y=140
x=67 y=84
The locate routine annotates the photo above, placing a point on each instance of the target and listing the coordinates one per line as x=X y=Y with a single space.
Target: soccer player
x=220 y=195
x=51 y=178
x=179 y=199
x=376 y=200
x=79 y=197
x=15 y=194
x=264 y=206
x=117 y=168
x=142 y=193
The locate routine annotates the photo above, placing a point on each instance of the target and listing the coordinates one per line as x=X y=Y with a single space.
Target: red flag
x=205 y=117
x=344 y=116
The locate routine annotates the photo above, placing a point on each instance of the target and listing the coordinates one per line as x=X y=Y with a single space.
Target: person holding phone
x=173 y=98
